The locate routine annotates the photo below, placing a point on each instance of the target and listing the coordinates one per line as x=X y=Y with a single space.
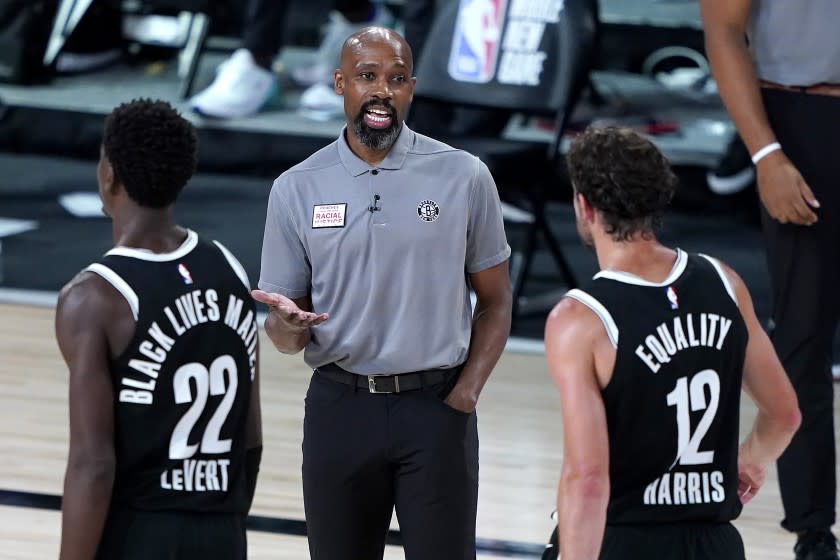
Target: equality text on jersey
x=691 y=330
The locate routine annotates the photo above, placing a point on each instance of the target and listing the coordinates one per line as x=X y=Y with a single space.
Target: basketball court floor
x=519 y=428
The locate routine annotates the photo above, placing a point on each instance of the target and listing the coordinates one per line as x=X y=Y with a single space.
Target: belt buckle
x=372 y=384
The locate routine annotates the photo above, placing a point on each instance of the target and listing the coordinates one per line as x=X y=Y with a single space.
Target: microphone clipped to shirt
x=375 y=206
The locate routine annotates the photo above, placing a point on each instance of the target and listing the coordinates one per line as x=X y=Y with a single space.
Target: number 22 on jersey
x=220 y=379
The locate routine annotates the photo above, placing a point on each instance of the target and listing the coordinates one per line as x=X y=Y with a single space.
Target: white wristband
x=768 y=149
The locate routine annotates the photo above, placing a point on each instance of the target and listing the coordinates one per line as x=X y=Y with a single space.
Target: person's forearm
x=582 y=515
x=769 y=437
x=252 y=469
x=734 y=73
x=84 y=507
x=491 y=327
x=284 y=339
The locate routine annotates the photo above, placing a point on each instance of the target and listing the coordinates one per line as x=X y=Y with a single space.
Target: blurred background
x=509 y=80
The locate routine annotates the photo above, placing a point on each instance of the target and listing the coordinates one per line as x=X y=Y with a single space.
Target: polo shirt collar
x=393 y=160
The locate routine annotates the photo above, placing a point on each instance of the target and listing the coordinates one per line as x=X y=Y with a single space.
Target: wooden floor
x=519 y=427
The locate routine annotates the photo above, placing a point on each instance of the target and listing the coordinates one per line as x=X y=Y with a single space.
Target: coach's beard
x=376 y=138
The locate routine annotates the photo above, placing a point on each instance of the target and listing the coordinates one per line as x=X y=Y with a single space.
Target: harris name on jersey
x=681 y=488
x=187 y=311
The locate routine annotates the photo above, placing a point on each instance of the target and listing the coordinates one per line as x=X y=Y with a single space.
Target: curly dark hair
x=152 y=149
x=624 y=176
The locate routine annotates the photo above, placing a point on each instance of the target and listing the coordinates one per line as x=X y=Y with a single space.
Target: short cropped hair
x=624 y=176
x=152 y=149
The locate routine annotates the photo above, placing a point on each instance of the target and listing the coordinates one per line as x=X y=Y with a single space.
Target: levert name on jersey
x=687 y=331
x=190 y=310
x=201 y=475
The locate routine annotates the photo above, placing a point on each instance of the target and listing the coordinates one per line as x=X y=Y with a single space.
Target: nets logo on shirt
x=428 y=210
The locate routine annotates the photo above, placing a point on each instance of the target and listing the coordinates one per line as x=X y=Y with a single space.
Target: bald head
x=358 y=43
x=377 y=86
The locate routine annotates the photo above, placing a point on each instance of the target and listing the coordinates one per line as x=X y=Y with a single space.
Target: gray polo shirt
x=385 y=251
x=796 y=42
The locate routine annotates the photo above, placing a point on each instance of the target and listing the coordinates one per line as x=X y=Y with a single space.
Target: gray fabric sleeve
x=285 y=267
x=486 y=242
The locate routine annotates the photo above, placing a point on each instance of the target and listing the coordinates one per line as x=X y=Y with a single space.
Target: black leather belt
x=397 y=383
x=817 y=89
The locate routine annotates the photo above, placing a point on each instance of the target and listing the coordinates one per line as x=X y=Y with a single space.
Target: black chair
x=552 y=548
x=193 y=18
x=529 y=63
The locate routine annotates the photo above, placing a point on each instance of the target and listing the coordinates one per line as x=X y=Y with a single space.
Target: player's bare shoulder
x=89 y=303
x=86 y=294
x=576 y=341
x=574 y=320
x=734 y=278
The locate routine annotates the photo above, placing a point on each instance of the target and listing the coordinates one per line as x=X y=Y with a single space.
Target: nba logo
x=671 y=294
x=476 y=41
x=185 y=274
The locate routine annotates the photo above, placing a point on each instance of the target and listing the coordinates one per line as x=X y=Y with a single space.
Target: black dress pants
x=804 y=263
x=264 y=21
x=263 y=26
x=365 y=454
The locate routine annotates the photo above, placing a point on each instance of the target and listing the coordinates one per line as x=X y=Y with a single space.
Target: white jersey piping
x=599 y=310
x=723 y=277
x=627 y=278
x=235 y=265
x=188 y=245
x=119 y=284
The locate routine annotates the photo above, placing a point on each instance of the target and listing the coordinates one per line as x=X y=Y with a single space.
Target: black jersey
x=673 y=401
x=182 y=386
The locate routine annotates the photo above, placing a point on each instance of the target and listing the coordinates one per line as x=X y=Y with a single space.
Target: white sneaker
x=326 y=59
x=241 y=88
x=321 y=103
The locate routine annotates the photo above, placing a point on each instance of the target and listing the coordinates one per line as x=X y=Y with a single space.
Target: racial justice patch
x=328 y=215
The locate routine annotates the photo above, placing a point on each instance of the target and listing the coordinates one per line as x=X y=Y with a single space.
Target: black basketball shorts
x=166 y=535
x=672 y=542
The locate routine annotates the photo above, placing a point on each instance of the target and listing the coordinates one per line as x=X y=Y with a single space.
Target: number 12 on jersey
x=693 y=395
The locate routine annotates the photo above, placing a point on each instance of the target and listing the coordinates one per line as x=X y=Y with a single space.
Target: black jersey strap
x=723 y=277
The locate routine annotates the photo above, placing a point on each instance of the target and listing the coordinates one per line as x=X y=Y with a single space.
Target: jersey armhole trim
x=599 y=310
x=120 y=285
x=723 y=277
x=235 y=265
